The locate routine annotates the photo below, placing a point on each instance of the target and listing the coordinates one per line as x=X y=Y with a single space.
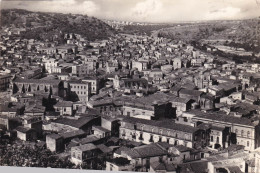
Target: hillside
x=41 y=25
x=240 y=33
x=235 y=30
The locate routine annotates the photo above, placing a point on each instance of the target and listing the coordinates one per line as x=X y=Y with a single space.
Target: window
x=211 y=138
x=134 y=136
x=248 y=134
x=168 y=140
x=141 y=136
x=185 y=144
x=242 y=133
x=160 y=139
x=248 y=143
x=151 y=138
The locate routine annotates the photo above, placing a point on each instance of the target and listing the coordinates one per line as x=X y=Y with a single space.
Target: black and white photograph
x=163 y=86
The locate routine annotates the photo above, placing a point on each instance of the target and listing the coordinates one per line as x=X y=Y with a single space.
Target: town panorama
x=79 y=92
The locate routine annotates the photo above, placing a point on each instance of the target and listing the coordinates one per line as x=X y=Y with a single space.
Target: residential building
x=151 y=131
x=79 y=90
x=5 y=82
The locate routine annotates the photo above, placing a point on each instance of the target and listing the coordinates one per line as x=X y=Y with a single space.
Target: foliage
x=53 y=26
x=25 y=155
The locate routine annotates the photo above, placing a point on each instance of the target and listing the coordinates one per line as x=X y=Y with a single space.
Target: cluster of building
x=143 y=103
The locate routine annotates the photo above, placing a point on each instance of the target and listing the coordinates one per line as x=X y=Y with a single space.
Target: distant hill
x=43 y=26
x=144 y=29
x=243 y=30
x=241 y=33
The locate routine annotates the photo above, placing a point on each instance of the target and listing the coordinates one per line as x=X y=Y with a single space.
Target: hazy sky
x=146 y=10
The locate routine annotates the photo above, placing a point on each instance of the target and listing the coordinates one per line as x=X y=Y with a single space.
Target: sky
x=146 y=10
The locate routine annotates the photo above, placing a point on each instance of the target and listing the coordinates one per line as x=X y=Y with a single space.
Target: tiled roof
x=162 y=124
x=72 y=134
x=54 y=136
x=75 y=123
x=23 y=129
x=145 y=151
x=104 y=148
x=86 y=147
x=88 y=139
x=217 y=116
x=99 y=128
x=180 y=100
x=101 y=102
x=159 y=166
x=63 y=104
x=191 y=92
x=52 y=82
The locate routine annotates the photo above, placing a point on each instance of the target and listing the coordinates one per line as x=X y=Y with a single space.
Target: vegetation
x=239 y=34
x=53 y=26
x=190 y=32
x=30 y=156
